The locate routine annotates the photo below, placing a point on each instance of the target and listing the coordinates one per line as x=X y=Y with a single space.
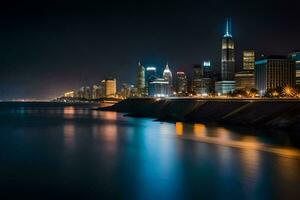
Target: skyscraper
x=167 y=74
x=273 y=72
x=227 y=84
x=149 y=76
x=227 y=60
x=140 y=80
x=181 y=83
x=248 y=60
x=196 y=79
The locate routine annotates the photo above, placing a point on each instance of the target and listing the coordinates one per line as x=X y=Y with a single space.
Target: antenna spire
x=228 y=28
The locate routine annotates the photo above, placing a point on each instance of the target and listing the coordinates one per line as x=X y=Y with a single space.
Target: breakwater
x=279 y=113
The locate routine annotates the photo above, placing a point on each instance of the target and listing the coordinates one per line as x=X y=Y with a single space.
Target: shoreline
x=263 y=113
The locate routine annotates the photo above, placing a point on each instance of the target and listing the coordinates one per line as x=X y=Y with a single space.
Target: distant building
x=87 y=93
x=274 y=71
x=167 y=75
x=140 y=80
x=196 y=79
x=150 y=75
x=110 y=87
x=227 y=63
x=224 y=87
x=97 y=92
x=245 y=80
x=127 y=90
x=202 y=81
x=159 y=87
x=295 y=56
x=70 y=94
x=207 y=69
x=248 y=60
x=181 y=84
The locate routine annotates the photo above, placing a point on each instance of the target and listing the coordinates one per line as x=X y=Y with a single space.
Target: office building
x=150 y=75
x=295 y=56
x=159 y=87
x=181 y=84
x=109 y=87
x=244 y=80
x=273 y=72
x=140 y=80
x=248 y=60
x=196 y=79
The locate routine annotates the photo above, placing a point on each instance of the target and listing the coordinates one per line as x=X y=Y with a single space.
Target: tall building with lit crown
x=167 y=75
x=227 y=59
x=274 y=71
x=110 y=87
x=140 y=80
x=248 y=60
x=295 y=56
x=227 y=84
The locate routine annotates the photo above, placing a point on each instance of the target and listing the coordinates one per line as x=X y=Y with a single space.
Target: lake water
x=62 y=151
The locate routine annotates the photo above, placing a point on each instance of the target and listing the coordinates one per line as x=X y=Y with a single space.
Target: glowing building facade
x=295 y=56
x=248 y=60
x=110 y=87
x=158 y=87
x=273 y=72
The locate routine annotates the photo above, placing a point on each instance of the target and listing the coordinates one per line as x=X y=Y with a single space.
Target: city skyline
x=45 y=54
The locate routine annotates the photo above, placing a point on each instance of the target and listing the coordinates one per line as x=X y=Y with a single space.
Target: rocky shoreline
x=267 y=113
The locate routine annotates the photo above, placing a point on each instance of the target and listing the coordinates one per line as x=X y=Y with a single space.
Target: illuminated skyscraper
x=167 y=74
x=228 y=61
x=248 y=60
x=140 y=80
x=227 y=84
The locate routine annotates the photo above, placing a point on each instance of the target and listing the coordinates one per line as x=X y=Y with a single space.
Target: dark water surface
x=63 y=151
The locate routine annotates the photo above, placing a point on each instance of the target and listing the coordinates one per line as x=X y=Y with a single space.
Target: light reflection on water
x=223 y=136
x=138 y=158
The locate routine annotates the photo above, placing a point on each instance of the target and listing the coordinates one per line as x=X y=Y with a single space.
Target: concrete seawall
x=256 y=113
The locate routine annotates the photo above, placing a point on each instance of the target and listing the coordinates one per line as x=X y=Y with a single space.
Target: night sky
x=48 y=47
